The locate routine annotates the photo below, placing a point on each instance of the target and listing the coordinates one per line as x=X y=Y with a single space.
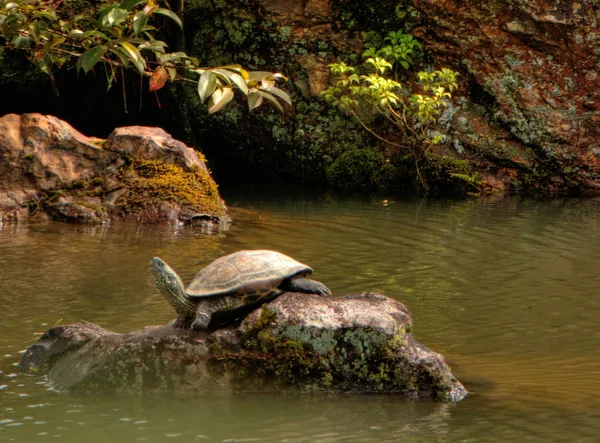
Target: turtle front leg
x=305 y=285
x=206 y=308
x=204 y=312
x=202 y=321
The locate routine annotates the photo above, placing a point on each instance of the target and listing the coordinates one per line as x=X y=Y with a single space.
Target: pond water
x=507 y=290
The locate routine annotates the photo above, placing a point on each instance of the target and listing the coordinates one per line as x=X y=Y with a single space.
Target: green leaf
x=370 y=52
x=206 y=85
x=170 y=14
x=239 y=69
x=272 y=99
x=21 y=42
x=281 y=94
x=259 y=75
x=122 y=54
x=266 y=83
x=254 y=100
x=134 y=55
x=236 y=79
x=154 y=45
x=116 y=16
x=139 y=22
x=95 y=33
x=219 y=99
x=89 y=58
x=56 y=40
x=34 y=30
x=46 y=64
x=130 y=4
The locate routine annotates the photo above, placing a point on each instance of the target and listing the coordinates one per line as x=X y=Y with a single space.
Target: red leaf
x=159 y=78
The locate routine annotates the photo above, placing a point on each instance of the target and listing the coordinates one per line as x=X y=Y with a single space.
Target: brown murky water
x=508 y=291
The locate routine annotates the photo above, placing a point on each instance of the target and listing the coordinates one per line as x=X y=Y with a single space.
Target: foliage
x=124 y=38
x=360 y=169
x=401 y=49
x=411 y=112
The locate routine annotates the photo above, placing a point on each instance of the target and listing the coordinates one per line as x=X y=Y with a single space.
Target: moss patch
x=299 y=358
x=154 y=181
x=361 y=169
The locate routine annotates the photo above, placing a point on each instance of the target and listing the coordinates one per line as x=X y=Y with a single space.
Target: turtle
x=236 y=282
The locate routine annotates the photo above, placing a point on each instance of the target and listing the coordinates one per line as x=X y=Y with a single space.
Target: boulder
x=531 y=67
x=357 y=343
x=50 y=170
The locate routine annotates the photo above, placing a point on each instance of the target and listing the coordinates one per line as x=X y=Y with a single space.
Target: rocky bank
x=524 y=119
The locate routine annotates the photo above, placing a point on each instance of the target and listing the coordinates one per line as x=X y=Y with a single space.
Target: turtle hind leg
x=305 y=285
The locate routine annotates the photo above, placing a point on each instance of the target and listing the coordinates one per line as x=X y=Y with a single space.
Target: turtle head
x=171 y=286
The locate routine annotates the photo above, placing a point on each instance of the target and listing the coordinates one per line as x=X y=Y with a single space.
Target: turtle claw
x=305 y=285
x=181 y=322
x=321 y=289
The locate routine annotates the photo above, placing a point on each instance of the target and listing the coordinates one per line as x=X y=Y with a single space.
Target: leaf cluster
x=123 y=38
x=217 y=85
x=411 y=111
x=401 y=49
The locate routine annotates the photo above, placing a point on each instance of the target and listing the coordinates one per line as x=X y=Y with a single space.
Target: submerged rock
x=358 y=343
x=50 y=170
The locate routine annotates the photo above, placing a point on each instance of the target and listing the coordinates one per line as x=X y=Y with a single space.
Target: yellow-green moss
x=98 y=143
x=152 y=181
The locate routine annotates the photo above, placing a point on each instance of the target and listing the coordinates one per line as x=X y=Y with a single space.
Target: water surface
x=507 y=290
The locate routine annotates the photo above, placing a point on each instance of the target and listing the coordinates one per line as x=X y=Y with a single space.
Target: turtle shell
x=256 y=272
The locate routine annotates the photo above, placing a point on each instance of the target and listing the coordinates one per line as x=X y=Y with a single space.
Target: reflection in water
x=506 y=290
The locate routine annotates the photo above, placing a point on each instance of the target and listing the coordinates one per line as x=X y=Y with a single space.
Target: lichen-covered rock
x=533 y=65
x=296 y=343
x=48 y=169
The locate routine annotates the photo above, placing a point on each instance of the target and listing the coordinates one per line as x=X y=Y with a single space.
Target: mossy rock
x=154 y=181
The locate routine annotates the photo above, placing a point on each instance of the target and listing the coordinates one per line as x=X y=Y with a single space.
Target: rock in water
x=50 y=170
x=358 y=343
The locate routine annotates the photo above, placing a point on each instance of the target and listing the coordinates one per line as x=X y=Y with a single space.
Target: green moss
x=78 y=184
x=97 y=181
x=54 y=195
x=443 y=175
x=154 y=181
x=267 y=317
x=99 y=210
x=296 y=358
x=360 y=169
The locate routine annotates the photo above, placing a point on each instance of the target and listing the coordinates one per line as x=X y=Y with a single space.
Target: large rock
x=296 y=343
x=48 y=169
x=533 y=65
